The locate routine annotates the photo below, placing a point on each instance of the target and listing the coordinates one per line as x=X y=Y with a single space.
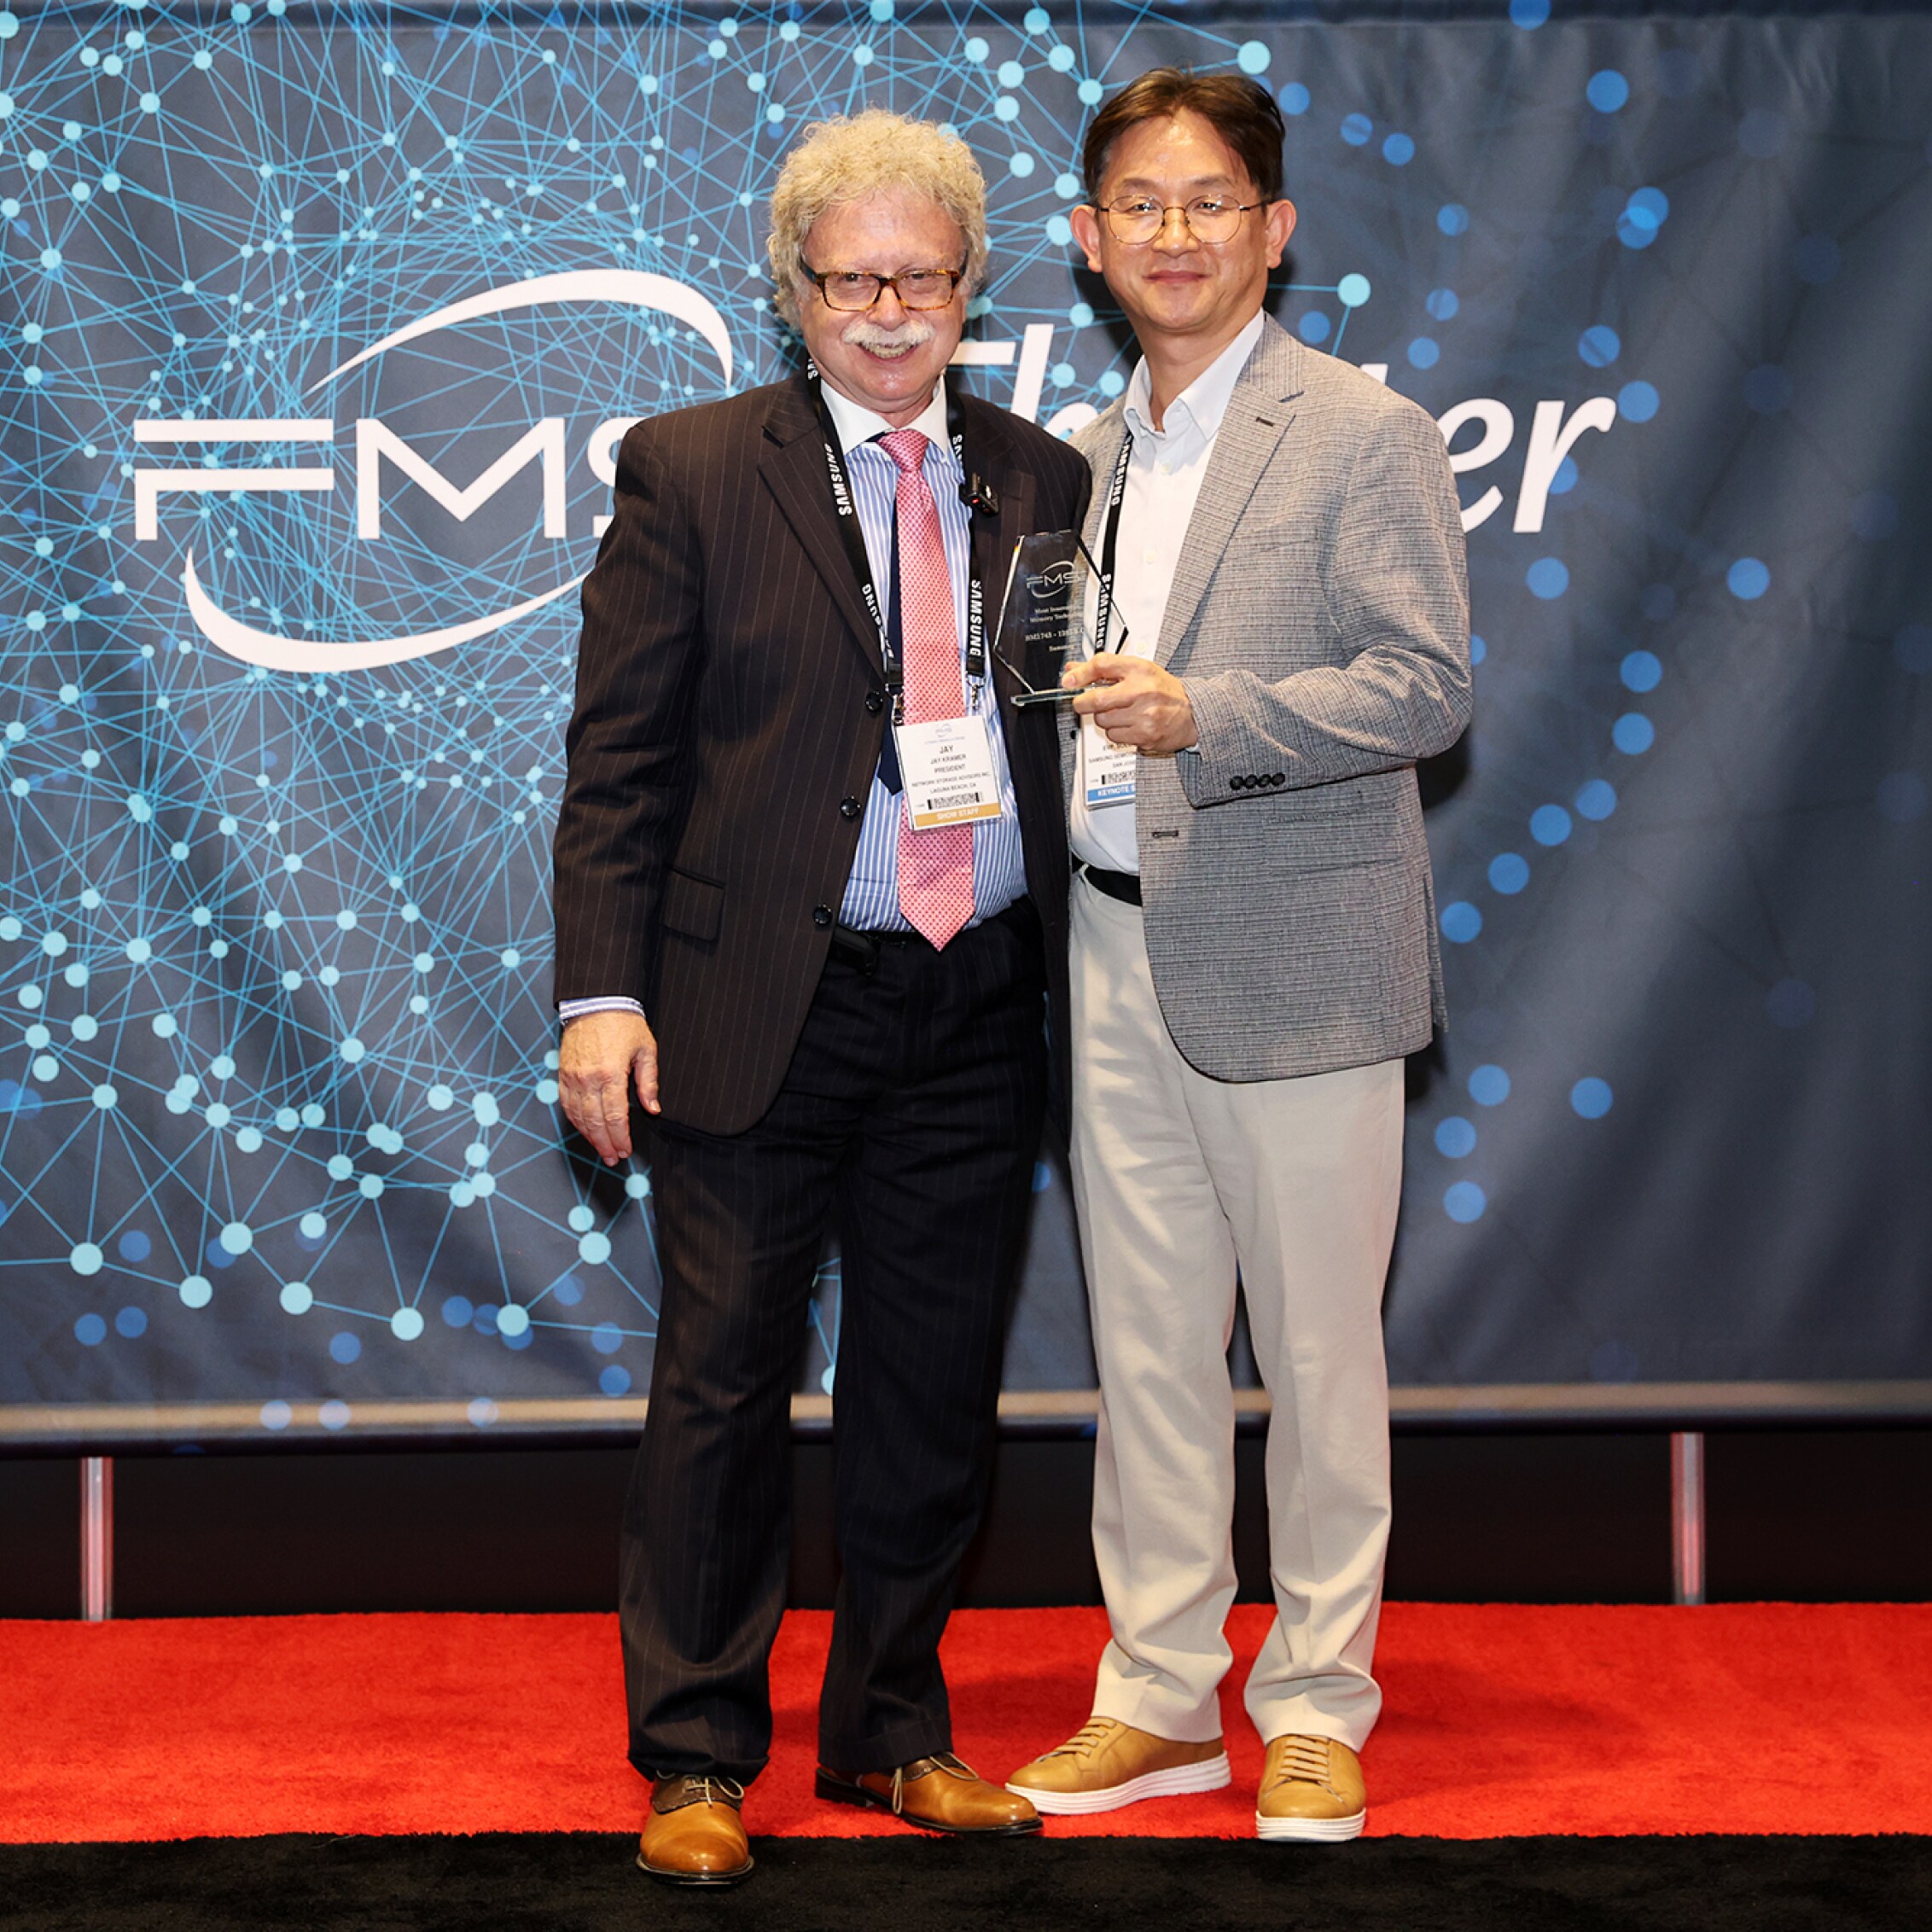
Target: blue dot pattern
x=1591 y=1098
x=277 y=1059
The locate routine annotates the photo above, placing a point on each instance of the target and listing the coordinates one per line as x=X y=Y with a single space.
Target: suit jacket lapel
x=1260 y=414
x=794 y=469
x=1029 y=735
x=1100 y=443
x=1101 y=446
x=989 y=455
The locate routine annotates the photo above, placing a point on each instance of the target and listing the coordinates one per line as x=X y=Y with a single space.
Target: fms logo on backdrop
x=1554 y=429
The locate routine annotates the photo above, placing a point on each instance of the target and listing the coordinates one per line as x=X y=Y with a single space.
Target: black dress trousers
x=908 y=1123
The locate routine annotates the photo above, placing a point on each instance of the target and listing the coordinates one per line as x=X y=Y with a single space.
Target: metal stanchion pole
x=96 y=1538
x=1687 y=1517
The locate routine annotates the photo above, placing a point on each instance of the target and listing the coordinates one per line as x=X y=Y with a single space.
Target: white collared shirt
x=1164 y=478
x=857 y=424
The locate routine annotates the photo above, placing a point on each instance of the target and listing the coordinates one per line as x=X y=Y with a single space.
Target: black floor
x=586 y=1884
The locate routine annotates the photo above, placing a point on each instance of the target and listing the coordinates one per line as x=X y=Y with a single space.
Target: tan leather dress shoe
x=936 y=1794
x=694 y=1834
x=1106 y=1763
x=1311 y=1788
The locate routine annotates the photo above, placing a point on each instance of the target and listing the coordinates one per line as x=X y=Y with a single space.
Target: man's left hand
x=1133 y=700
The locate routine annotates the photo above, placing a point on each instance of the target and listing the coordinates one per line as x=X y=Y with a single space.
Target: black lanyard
x=1109 y=539
x=854 y=541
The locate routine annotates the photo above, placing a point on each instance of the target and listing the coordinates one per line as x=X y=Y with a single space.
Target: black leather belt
x=1122 y=886
x=862 y=949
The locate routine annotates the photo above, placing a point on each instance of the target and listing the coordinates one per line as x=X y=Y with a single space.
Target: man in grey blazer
x=1254 y=952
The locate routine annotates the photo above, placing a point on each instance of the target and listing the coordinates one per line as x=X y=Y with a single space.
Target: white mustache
x=864 y=334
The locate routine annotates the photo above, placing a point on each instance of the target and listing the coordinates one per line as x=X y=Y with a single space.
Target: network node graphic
x=319 y=326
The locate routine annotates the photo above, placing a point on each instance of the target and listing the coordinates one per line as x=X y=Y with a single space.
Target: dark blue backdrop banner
x=320 y=323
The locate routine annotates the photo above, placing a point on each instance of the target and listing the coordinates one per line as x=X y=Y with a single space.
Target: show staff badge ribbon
x=946 y=767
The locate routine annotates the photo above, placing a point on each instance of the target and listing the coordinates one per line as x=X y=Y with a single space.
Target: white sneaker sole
x=1319 y=1831
x=1181 y=1781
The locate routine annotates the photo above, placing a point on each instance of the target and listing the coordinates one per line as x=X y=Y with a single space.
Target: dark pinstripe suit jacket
x=728 y=722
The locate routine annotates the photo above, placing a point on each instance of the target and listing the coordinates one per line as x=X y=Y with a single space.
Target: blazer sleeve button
x=821 y=915
x=1234 y=784
x=874 y=702
x=848 y=808
x=1279 y=778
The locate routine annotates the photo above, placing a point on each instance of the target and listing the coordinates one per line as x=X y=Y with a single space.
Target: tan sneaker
x=1311 y=1788
x=1106 y=1764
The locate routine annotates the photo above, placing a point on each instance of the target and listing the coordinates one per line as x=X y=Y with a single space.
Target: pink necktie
x=935 y=868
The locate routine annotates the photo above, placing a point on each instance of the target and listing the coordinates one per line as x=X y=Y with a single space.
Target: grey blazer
x=1319 y=619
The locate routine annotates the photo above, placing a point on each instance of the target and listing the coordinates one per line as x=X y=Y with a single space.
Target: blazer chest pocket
x=692 y=905
x=1287 y=541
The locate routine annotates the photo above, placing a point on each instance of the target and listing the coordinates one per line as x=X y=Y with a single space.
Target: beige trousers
x=1179 y=1180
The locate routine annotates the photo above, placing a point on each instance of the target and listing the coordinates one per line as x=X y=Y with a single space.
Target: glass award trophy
x=1040 y=621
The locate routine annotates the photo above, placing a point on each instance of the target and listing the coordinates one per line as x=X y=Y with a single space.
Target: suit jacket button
x=1235 y=784
x=848 y=808
x=821 y=915
x=874 y=702
x=1279 y=778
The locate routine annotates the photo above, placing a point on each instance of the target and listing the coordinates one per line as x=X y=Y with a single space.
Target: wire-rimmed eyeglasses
x=1137 y=218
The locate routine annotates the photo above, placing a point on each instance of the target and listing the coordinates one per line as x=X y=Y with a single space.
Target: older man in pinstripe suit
x=837 y=1015
x=1254 y=952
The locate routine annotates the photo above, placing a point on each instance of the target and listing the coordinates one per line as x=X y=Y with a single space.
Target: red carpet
x=1501 y=1721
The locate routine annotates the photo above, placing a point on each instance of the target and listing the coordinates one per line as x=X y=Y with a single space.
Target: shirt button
x=1152 y=556
x=874 y=702
x=848 y=808
x=821 y=915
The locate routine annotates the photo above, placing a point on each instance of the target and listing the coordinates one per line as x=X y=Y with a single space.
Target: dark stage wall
x=318 y=323
x=1829 y=1516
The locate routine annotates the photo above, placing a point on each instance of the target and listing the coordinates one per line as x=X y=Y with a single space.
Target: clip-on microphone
x=976 y=494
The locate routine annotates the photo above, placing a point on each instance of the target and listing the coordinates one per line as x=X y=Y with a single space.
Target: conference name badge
x=1107 y=770
x=945 y=765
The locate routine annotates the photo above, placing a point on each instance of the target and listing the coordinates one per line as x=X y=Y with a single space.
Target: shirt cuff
x=569 y=1009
